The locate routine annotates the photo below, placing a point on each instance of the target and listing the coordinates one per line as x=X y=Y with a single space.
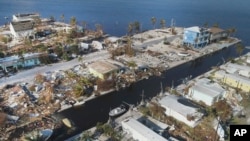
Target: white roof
x=139 y=128
x=173 y=102
x=205 y=86
x=193 y=29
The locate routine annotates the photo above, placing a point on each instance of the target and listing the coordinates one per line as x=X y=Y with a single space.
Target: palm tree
x=205 y=25
x=137 y=26
x=52 y=18
x=163 y=23
x=130 y=28
x=231 y=31
x=216 y=25
x=153 y=21
x=98 y=27
x=128 y=49
x=62 y=18
x=73 y=21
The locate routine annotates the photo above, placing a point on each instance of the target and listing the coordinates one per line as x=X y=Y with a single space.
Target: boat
x=117 y=111
x=67 y=122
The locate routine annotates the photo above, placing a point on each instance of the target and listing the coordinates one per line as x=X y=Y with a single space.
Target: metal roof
x=206 y=87
x=138 y=128
x=179 y=104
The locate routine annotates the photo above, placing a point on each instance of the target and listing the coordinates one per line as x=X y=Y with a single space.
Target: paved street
x=28 y=75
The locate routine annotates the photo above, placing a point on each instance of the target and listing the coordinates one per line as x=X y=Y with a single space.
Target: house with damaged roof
x=22 y=29
x=22 y=25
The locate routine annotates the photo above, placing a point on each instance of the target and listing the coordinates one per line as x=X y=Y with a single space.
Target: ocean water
x=115 y=15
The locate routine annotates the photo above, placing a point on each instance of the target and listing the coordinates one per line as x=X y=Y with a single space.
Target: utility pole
x=161 y=92
x=142 y=98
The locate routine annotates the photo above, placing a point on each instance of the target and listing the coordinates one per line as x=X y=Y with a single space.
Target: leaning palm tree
x=137 y=26
x=153 y=21
x=130 y=28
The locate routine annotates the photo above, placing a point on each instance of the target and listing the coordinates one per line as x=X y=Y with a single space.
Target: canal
x=86 y=116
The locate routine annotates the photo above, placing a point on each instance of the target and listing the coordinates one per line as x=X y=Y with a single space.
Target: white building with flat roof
x=140 y=132
x=206 y=91
x=181 y=109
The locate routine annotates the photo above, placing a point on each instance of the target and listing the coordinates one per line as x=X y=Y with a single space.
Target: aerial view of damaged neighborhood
x=115 y=70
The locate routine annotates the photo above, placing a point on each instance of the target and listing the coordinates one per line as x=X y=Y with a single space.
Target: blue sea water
x=115 y=15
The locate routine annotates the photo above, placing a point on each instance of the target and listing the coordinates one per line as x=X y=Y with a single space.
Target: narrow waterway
x=96 y=110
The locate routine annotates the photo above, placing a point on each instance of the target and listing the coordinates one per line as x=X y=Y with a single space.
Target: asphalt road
x=28 y=75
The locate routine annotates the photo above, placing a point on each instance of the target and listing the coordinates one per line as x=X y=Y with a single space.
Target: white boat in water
x=117 y=111
x=67 y=122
